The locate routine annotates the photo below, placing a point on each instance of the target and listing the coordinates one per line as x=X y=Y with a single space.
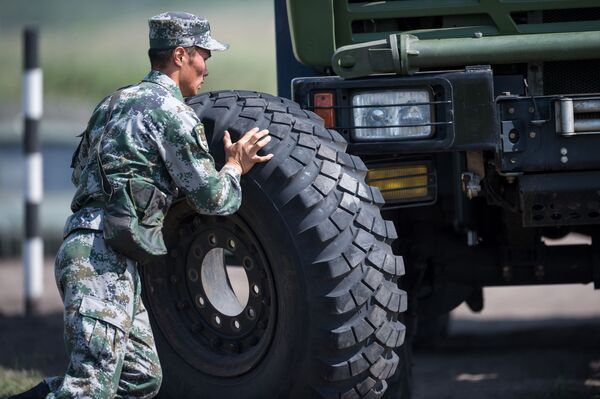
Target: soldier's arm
x=192 y=168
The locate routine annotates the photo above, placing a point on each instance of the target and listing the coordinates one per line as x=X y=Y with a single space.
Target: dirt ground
x=528 y=343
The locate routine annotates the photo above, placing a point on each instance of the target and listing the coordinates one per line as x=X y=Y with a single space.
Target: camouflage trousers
x=107 y=331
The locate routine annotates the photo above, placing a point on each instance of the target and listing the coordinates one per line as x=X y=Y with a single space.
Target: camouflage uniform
x=153 y=136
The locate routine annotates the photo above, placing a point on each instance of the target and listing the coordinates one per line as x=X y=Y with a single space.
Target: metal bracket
x=511 y=137
x=395 y=53
x=471 y=184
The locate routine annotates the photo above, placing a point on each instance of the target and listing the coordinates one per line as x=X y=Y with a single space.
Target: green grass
x=15 y=381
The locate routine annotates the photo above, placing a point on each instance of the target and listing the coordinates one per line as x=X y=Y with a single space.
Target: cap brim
x=213 y=45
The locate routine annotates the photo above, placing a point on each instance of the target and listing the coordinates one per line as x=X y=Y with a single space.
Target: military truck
x=460 y=134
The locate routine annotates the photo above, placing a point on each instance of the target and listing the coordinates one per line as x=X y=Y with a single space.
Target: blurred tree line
x=89 y=48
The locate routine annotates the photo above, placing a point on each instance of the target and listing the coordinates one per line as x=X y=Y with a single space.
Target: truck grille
x=572 y=77
x=371 y=20
x=571 y=15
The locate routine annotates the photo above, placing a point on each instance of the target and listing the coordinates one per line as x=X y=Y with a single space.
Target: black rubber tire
x=336 y=332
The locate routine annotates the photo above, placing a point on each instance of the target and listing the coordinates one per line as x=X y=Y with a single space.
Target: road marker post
x=33 y=245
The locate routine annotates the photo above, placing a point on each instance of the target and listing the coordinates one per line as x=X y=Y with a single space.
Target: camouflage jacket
x=154 y=136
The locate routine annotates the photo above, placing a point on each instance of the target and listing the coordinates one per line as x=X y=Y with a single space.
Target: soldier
x=142 y=146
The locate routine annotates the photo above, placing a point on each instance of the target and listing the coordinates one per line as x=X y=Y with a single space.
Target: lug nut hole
x=212 y=239
x=193 y=275
x=231 y=244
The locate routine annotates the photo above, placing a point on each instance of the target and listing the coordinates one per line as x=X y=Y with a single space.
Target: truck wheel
x=294 y=296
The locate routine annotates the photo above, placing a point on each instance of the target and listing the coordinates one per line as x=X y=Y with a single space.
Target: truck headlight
x=393 y=114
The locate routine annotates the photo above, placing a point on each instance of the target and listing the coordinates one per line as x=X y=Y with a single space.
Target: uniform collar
x=165 y=81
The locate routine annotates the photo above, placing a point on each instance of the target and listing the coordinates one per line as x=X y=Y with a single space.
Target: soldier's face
x=193 y=72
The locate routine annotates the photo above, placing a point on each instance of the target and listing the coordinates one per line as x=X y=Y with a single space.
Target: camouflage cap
x=174 y=29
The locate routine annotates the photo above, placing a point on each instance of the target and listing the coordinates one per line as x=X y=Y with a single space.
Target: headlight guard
x=393 y=114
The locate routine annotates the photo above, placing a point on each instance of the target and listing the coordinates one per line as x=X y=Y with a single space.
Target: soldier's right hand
x=243 y=153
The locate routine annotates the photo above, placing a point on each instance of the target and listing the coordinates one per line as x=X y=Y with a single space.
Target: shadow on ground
x=539 y=359
x=33 y=343
x=508 y=359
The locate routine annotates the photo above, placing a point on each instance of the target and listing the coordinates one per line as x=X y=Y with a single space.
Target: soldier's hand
x=243 y=153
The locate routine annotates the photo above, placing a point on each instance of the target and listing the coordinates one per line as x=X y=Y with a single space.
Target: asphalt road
x=529 y=342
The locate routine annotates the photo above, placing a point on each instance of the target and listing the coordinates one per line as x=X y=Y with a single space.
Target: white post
x=33 y=246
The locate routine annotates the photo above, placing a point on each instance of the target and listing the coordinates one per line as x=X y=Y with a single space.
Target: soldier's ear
x=178 y=56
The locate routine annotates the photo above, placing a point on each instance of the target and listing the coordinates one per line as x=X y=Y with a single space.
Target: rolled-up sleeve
x=191 y=166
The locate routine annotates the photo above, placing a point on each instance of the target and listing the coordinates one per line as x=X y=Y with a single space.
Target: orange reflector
x=325 y=99
x=400 y=182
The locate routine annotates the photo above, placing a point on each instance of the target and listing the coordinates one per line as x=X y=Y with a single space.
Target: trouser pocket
x=105 y=327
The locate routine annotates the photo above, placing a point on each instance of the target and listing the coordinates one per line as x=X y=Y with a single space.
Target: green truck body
x=510 y=131
x=318 y=28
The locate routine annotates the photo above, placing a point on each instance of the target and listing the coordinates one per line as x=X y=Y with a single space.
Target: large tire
x=321 y=319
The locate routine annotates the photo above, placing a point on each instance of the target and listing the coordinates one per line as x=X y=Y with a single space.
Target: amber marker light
x=323 y=103
x=402 y=182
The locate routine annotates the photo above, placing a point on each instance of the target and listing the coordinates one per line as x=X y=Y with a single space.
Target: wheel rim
x=215 y=255
x=221 y=328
